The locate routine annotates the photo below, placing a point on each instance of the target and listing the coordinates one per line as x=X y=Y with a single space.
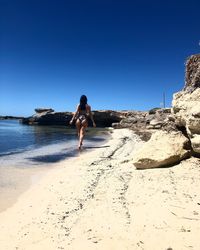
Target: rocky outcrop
x=146 y=123
x=103 y=118
x=178 y=135
x=186 y=103
x=192 y=74
x=132 y=119
x=142 y=121
x=48 y=118
x=186 y=108
x=9 y=117
x=136 y=120
x=163 y=149
x=43 y=110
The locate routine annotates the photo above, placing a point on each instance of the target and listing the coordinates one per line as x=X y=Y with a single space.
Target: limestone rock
x=49 y=118
x=192 y=74
x=186 y=103
x=153 y=111
x=163 y=149
x=186 y=108
x=156 y=122
x=103 y=118
x=142 y=120
x=44 y=110
x=195 y=141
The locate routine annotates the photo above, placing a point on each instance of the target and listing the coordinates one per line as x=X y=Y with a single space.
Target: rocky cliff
x=192 y=74
x=186 y=103
x=182 y=139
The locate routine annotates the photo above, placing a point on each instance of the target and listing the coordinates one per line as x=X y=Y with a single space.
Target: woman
x=83 y=112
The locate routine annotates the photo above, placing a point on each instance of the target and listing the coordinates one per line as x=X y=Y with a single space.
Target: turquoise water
x=41 y=144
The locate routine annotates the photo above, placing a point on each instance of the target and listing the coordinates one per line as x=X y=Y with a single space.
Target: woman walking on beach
x=81 y=115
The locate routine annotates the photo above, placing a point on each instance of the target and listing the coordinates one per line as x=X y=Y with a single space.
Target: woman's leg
x=82 y=132
x=78 y=127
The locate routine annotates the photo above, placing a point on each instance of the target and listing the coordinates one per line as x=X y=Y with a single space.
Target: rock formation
x=105 y=118
x=186 y=103
x=192 y=74
x=163 y=149
x=48 y=117
x=144 y=120
x=180 y=135
x=10 y=117
x=43 y=116
x=43 y=110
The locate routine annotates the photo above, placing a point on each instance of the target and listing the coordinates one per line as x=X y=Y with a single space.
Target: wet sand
x=100 y=201
x=16 y=180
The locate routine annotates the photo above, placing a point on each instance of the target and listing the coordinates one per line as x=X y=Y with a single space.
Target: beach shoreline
x=25 y=164
x=98 y=200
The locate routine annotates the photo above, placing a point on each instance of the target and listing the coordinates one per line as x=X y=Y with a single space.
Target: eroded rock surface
x=186 y=103
x=163 y=149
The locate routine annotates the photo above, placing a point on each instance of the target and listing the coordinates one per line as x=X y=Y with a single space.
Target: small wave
x=48 y=153
x=17 y=151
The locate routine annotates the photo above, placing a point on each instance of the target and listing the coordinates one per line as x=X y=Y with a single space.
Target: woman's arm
x=75 y=114
x=91 y=116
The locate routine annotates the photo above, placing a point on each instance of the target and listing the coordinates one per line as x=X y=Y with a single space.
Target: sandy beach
x=98 y=200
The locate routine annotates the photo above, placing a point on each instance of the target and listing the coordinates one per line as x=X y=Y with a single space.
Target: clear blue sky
x=121 y=54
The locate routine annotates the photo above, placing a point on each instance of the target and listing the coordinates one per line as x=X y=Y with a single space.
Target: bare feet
x=79 y=146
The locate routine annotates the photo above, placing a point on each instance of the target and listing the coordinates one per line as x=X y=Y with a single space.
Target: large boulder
x=163 y=149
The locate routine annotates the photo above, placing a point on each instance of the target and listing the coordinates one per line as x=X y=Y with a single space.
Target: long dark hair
x=83 y=102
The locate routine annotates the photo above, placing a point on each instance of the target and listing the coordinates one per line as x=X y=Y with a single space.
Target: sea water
x=21 y=144
x=28 y=152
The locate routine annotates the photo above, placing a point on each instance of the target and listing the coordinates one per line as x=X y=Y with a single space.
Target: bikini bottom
x=82 y=118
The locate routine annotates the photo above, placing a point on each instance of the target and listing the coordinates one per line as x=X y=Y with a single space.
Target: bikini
x=82 y=115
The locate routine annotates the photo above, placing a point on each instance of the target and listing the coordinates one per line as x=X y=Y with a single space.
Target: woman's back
x=84 y=109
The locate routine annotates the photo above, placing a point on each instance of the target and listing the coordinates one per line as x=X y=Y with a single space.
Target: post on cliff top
x=163 y=99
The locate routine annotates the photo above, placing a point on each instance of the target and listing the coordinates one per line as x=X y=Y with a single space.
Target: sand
x=15 y=180
x=100 y=201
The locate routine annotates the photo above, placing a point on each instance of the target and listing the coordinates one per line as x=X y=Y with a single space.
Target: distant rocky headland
x=173 y=131
x=103 y=118
x=9 y=117
x=47 y=116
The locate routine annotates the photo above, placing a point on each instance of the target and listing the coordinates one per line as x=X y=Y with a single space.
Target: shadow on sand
x=97 y=147
x=52 y=158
